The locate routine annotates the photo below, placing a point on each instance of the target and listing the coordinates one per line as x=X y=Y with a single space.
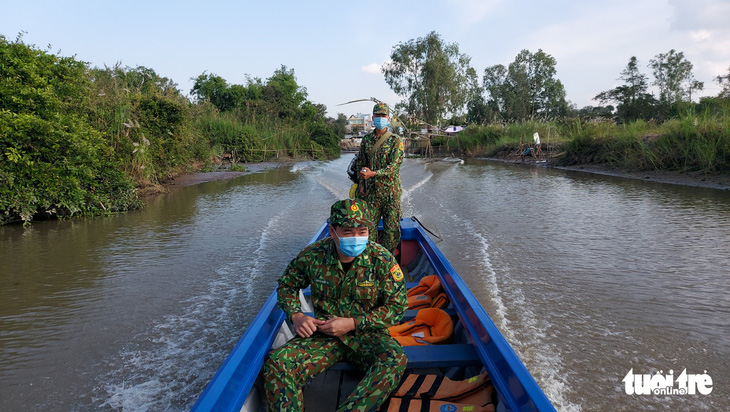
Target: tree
x=724 y=82
x=527 y=88
x=673 y=75
x=282 y=93
x=339 y=125
x=214 y=89
x=477 y=111
x=430 y=75
x=633 y=100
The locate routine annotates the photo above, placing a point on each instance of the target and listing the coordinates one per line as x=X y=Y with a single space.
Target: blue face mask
x=352 y=246
x=380 y=122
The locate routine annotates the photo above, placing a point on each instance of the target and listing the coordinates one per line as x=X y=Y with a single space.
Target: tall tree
x=477 y=111
x=673 y=75
x=633 y=100
x=283 y=93
x=213 y=88
x=724 y=82
x=527 y=88
x=430 y=75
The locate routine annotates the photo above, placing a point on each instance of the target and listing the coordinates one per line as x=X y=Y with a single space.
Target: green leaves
x=50 y=156
x=431 y=76
x=527 y=88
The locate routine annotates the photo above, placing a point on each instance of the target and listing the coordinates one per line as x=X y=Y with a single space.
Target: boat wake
x=168 y=365
x=525 y=331
x=406 y=198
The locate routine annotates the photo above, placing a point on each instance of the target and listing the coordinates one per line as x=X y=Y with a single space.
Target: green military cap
x=349 y=213
x=381 y=108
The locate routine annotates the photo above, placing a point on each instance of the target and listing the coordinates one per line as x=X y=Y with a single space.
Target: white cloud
x=372 y=68
x=700 y=35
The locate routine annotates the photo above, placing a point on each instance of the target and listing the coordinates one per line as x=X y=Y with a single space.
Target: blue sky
x=337 y=47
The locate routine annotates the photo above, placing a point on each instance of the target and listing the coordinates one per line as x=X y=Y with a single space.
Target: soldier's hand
x=366 y=173
x=337 y=326
x=304 y=325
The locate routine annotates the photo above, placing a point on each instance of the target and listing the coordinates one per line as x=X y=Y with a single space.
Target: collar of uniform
x=363 y=259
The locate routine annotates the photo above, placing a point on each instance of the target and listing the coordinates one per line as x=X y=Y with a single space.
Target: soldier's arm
x=361 y=159
x=395 y=158
x=293 y=279
x=394 y=298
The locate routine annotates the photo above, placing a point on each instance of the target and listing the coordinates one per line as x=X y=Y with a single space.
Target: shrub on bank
x=52 y=161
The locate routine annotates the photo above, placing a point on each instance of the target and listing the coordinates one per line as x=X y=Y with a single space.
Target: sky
x=336 y=48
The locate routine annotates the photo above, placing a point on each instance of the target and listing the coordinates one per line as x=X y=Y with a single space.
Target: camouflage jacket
x=372 y=292
x=385 y=162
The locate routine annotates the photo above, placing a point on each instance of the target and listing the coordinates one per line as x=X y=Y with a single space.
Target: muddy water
x=587 y=276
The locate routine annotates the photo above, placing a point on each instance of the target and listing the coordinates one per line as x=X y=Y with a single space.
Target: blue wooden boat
x=477 y=346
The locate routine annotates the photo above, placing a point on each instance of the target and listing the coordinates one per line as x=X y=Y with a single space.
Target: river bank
x=694 y=179
x=202 y=177
x=717 y=181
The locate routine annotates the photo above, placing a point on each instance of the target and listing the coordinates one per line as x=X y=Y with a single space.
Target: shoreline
x=195 y=178
x=691 y=179
x=717 y=182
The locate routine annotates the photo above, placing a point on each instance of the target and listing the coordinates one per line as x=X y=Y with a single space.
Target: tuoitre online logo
x=659 y=384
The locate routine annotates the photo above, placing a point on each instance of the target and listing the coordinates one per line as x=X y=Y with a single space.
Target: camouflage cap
x=381 y=108
x=349 y=213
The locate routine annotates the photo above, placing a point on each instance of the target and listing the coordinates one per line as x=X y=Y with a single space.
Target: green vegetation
x=76 y=140
x=641 y=132
x=688 y=143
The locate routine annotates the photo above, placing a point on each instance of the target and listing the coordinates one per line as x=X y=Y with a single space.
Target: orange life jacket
x=440 y=301
x=419 y=302
x=430 y=326
x=439 y=393
x=427 y=294
x=424 y=301
x=428 y=285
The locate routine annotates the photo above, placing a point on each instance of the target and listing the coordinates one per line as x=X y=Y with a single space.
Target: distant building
x=359 y=123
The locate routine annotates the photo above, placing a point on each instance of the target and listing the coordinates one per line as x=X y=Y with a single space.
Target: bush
x=52 y=161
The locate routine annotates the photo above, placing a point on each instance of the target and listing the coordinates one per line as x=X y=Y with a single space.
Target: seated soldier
x=358 y=292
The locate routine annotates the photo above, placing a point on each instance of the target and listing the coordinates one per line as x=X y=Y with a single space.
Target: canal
x=587 y=276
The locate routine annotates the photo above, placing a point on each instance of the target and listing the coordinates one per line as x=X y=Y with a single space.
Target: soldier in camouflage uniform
x=358 y=292
x=379 y=181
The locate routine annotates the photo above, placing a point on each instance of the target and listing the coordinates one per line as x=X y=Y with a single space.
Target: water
x=586 y=276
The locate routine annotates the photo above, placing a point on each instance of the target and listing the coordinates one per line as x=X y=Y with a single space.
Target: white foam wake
x=517 y=320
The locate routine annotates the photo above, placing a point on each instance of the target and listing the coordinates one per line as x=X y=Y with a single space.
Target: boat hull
x=234 y=387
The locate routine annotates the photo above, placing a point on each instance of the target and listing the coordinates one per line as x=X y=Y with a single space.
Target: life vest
x=439 y=393
x=424 y=301
x=428 y=285
x=430 y=326
x=440 y=301
x=427 y=294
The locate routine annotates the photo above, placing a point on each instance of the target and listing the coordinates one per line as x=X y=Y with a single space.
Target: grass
x=691 y=143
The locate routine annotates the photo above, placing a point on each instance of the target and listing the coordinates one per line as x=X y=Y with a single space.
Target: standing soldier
x=358 y=292
x=379 y=160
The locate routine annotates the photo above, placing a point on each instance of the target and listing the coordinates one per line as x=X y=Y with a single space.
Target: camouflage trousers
x=291 y=366
x=389 y=209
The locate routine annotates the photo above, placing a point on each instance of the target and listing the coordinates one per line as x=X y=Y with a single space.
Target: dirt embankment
x=546 y=157
x=549 y=156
